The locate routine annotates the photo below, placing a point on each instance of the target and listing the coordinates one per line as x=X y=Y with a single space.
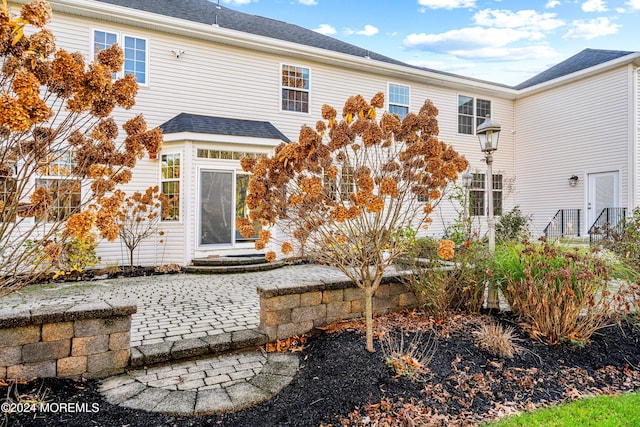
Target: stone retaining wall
x=293 y=309
x=90 y=340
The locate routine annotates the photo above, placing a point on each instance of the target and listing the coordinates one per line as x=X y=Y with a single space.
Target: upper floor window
x=471 y=113
x=135 y=52
x=295 y=88
x=398 y=100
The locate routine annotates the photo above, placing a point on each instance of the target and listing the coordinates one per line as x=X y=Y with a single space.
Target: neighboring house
x=223 y=84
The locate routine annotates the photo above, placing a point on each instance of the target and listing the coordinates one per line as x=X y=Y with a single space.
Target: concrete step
x=226 y=269
x=168 y=351
x=228 y=260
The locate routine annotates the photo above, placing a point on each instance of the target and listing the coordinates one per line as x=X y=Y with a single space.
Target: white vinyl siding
x=556 y=140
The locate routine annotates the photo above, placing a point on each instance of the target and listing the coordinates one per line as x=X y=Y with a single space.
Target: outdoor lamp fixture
x=488 y=133
x=573 y=181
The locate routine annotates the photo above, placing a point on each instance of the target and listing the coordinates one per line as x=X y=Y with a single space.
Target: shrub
x=408 y=355
x=443 y=286
x=562 y=294
x=625 y=242
x=513 y=226
x=497 y=340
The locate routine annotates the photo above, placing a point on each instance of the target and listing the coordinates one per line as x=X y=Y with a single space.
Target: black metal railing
x=609 y=220
x=565 y=223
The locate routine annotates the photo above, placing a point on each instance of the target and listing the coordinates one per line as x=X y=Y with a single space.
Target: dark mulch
x=340 y=383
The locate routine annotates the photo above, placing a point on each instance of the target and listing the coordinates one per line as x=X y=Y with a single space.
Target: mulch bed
x=340 y=383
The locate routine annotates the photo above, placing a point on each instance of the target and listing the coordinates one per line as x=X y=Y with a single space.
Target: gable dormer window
x=135 y=52
x=295 y=88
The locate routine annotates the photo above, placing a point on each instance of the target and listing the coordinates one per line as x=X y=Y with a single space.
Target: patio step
x=169 y=351
x=226 y=269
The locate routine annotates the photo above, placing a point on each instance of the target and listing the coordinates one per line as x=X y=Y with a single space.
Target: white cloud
x=507 y=54
x=308 y=2
x=368 y=30
x=551 y=4
x=634 y=4
x=594 y=6
x=447 y=4
x=468 y=38
x=523 y=19
x=325 y=29
x=589 y=30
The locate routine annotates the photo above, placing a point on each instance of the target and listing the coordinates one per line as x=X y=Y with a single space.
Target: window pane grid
x=468 y=120
x=66 y=198
x=295 y=88
x=170 y=185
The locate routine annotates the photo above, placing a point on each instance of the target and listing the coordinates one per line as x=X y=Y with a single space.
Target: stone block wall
x=90 y=339
x=293 y=309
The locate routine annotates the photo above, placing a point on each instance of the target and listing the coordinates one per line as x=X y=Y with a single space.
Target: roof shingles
x=184 y=122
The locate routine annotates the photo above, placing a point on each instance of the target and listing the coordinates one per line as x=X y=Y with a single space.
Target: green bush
x=513 y=226
x=625 y=242
x=561 y=294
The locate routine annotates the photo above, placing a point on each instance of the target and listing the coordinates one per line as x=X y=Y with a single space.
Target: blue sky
x=504 y=41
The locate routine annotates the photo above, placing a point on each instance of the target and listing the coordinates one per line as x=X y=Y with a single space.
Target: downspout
x=634 y=139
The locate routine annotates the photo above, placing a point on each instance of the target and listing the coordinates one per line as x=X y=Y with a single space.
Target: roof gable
x=185 y=122
x=582 y=60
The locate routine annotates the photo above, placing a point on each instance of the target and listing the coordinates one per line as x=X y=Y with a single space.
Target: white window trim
x=120 y=35
x=475 y=116
x=280 y=87
x=389 y=103
x=180 y=186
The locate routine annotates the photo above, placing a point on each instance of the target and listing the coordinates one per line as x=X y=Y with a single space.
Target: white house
x=224 y=84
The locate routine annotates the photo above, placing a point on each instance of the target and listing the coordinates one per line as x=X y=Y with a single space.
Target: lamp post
x=488 y=133
x=467 y=179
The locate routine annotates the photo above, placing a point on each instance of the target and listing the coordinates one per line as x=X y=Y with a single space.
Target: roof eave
x=633 y=58
x=142 y=19
x=222 y=138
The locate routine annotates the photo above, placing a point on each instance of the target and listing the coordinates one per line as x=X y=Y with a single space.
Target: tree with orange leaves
x=350 y=188
x=59 y=160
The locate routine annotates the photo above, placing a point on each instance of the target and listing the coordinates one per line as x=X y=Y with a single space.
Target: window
x=135 y=52
x=398 y=100
x=347 y=182
x=295 y=89
x=242 y=210
x=477 y=200
x=65 y=190
x=330 y=187
x=7 y=192
x=170 y=183
x=471 y=113
x=206 y=153
x=135 y=58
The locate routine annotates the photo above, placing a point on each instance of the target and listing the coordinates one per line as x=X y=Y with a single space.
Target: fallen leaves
x=291 y=344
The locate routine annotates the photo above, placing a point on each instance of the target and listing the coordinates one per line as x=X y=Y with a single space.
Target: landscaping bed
x=340 y=383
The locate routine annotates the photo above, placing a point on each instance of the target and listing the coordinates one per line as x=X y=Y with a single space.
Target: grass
x=601 y=411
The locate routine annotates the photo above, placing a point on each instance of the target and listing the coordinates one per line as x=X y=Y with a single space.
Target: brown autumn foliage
x=350 y=187
x=55 y=122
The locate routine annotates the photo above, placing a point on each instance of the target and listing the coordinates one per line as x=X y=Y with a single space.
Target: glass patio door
x=216 y=207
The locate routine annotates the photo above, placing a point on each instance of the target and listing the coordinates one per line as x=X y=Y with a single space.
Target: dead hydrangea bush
x=59 y=160
x=349 y=189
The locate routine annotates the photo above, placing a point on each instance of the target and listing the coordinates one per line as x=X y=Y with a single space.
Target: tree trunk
x=131 y=258
x=368 y=315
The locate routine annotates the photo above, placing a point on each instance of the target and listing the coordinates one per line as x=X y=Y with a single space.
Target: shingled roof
x=206 y=12
x=184 y=122
x=581 y=61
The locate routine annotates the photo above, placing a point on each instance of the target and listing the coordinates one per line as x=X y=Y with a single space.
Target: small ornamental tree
x=138 y=218
x=350 y=189
x=56 y=138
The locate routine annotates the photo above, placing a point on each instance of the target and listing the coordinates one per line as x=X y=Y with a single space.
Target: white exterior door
x=602 y=193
